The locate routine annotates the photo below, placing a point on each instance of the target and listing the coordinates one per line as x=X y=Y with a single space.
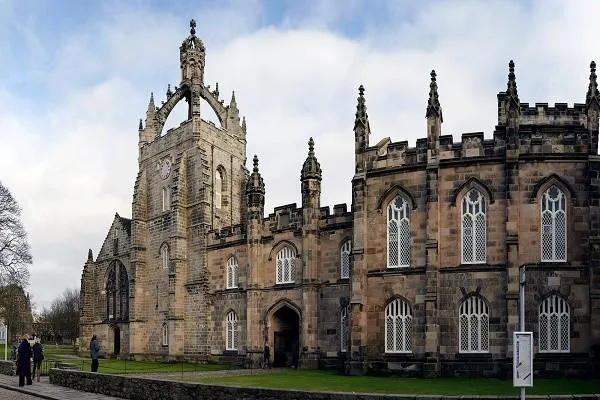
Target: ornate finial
x=433 y=104
x=512 y=96
x=193 y=27
x=140 y=126
x=216 y=92
x=311 y=169
x=151 y=97
x=592 y=98
x=255 y=187
x=232 y=96
x=90 y=257
x=169 y=92
x=361 y=109
x=244 y=124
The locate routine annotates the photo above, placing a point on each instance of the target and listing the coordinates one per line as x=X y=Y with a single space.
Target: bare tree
x=15 y=308
x=62 y=319
x=15 y=254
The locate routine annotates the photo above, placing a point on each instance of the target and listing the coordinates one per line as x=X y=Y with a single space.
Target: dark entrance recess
x=286 y=340
x=117 y=342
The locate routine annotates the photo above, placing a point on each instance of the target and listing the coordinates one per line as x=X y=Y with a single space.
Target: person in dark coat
x=38 y=357
x=24 y=362
x=94 y=353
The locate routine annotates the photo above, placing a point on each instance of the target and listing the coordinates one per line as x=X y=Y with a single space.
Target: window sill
x=397 y=271
x=230 y=352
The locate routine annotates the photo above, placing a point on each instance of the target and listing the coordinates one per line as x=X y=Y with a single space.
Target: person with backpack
x=38 y=357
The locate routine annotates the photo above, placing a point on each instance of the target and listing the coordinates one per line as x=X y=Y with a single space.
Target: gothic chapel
x=421 y=272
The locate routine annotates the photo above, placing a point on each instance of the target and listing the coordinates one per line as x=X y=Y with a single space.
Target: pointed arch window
x=218 y=188
x=474 y=326
x=344 y=328
x=474 y=227
x=554 y=225
x=165 y=334
x=164 y=252
x=123 y=293
x=111 y=293
x=398 y=327
x=232 y=273
x=399 y=238
x=286 y=269
x=554 y=325
x=232 y=341
x=345 y=259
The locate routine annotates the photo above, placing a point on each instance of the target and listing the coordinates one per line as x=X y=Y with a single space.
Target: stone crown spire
x=592 y=98
x=512 y=96
x=361 y=109
x=311 y=169
x=433 y=104
x=90 y=257
x=255 y=183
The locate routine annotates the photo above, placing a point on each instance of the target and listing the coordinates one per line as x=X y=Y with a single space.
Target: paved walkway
x=45 y=390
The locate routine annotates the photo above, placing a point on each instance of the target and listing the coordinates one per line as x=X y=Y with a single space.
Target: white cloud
x=73 y=164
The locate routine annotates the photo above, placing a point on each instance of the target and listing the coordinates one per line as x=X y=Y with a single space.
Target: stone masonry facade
x=420 y=275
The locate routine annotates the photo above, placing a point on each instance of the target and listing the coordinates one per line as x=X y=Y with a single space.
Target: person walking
x=94 y=352
x=266 y=356
x=24 y=362
x=38 y=357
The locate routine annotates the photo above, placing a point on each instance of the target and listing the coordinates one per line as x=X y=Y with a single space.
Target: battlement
x=225 y=235
x=538 y=134
x=543 y=114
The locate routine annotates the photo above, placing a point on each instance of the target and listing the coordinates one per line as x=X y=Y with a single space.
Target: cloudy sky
x=76 y=76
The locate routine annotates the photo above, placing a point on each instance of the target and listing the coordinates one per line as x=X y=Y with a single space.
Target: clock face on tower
x=165 y=170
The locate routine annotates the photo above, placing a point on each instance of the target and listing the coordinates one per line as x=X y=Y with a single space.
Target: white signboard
x=523 y=359
x=3 y=333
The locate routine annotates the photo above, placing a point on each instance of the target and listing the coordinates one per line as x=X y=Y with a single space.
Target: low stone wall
x=8 y=367
x=154 y=389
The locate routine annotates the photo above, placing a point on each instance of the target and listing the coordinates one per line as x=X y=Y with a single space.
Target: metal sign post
x=522 y=345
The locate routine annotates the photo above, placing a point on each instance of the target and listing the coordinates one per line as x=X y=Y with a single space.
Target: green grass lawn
x=333 y=382
x=67 y=356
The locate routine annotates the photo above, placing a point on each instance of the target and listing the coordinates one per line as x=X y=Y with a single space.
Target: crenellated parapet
x=227 y=236
x=340 y=218
x=527 y=130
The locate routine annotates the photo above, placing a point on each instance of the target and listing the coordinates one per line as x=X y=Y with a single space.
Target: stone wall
x=8 y=368
x=151 y=389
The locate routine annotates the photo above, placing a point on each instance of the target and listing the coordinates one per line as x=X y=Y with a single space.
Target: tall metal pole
x=522 y=310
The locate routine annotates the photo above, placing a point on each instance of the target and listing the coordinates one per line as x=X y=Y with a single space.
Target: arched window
x=164 y=252
x=165 y=334
x=474 y=326
x=398 y=219
x=232 y=332
x=555 y=330
x=345 y=259
x=166 y=199
x=398 y=327
x=111 y=293
x=218 y=188
x=344 y=328
x=123 y=293
x=554 y=225
x=232 y=273
x=286 y=270
x=474 y=228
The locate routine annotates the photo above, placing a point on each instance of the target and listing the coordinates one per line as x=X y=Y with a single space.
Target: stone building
x=421 y=271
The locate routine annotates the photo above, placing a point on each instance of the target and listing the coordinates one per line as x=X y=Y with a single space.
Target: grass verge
x=333 y=382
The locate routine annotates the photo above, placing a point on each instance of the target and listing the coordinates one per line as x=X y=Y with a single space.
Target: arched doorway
x=285 y=328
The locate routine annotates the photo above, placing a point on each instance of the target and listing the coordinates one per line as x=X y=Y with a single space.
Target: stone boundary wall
x=155 y=389
x=8 y=367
